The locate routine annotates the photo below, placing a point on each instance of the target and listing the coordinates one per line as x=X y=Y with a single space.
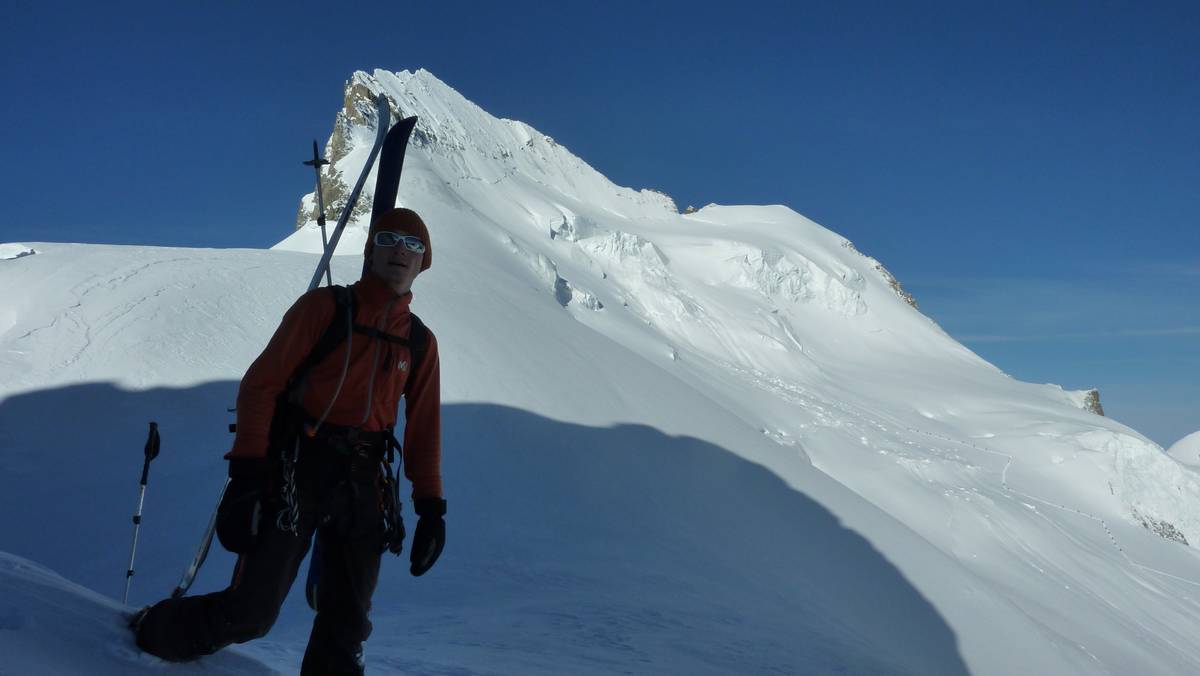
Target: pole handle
x=152 y=442
x=152 y=446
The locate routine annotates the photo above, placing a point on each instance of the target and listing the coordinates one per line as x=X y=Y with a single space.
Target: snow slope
x=720 y=442
x=49 y=625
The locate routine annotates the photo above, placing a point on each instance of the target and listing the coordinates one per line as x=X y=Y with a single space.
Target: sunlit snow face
x=396 y=265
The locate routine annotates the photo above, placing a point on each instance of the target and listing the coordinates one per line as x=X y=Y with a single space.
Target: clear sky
x=1029 y=170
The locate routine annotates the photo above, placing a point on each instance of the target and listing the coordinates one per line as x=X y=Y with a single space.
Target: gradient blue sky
x=1029 y=170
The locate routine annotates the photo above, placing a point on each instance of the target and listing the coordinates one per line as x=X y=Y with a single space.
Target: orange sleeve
x=267 y=377
x=423 y=426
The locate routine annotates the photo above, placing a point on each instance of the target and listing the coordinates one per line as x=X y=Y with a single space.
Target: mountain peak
x=461 y=143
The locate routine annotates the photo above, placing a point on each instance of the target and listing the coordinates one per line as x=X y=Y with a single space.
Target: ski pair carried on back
x=314 y=433
x=392 y=143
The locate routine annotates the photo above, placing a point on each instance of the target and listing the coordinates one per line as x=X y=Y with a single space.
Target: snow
x=49 y=625
x=1187 y=450
x=719 y=442
x=9 y=251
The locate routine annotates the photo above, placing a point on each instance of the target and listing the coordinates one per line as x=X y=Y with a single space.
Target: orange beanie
x=402 y=221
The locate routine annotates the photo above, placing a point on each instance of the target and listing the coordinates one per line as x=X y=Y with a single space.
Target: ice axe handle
x=152 y=443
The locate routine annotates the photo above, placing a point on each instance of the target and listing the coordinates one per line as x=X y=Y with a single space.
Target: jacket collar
x=372 y=291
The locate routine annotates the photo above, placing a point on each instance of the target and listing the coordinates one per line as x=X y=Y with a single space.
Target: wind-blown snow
x=720 y=442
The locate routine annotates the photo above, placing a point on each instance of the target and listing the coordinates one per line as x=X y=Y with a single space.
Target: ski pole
x=316 y=163
x=151 y=453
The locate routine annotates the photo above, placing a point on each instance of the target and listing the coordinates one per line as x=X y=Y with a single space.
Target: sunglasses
x=390 y=239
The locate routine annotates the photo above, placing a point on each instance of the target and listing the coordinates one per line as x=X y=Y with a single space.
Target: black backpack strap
x=337 y=330
x=418 y=345
x=289 y=415
x=335 y=333
x=372 y=332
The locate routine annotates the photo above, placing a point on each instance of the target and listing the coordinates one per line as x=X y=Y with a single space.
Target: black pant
x=339 y=500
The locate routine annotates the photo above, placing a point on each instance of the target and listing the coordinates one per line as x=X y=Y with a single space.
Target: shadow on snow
x=585 y=548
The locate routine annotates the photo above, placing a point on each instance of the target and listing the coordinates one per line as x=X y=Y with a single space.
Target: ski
x=385 y=118
x=391 y=163
x=189 y=575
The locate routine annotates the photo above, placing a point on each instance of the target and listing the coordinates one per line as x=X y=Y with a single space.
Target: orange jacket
x=367 y=401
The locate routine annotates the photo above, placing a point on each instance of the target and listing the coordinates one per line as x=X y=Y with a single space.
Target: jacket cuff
x=432 y=507
x=249 y=445
x=249 y=468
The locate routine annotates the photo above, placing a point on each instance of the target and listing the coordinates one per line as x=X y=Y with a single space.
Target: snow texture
x=706 y=443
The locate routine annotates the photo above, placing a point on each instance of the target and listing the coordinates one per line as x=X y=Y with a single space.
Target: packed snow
x=719 y=442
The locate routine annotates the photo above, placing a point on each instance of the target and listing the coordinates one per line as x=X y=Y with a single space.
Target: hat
x=404 y=221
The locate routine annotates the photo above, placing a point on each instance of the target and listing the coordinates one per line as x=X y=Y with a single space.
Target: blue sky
x=1030 y=171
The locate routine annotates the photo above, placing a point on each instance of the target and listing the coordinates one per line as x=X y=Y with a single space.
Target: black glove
x=430 y=537
x=240 y=512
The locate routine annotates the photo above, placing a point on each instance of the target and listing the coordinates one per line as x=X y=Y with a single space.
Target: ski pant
x=339 y=501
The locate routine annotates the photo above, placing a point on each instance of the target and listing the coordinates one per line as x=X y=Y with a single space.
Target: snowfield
x=721 y=442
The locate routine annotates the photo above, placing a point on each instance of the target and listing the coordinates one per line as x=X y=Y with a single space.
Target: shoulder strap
x=335 y=333
x=418 y=345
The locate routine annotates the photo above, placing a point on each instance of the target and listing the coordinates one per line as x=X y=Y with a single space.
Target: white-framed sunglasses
x=390 y=239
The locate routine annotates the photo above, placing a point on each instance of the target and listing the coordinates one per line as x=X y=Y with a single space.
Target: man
x=308 y=459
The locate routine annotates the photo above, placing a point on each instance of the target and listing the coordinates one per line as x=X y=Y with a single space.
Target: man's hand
x=240 y=513
x=430 y=536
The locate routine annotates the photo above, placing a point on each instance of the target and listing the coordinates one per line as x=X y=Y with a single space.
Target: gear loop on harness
x=288 y=519
x=393 y=521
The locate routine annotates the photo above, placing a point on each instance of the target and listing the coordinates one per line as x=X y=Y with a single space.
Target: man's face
x=396 y=265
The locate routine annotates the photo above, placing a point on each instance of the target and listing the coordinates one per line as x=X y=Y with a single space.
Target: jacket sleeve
x=423 y=427
x=267 y=377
